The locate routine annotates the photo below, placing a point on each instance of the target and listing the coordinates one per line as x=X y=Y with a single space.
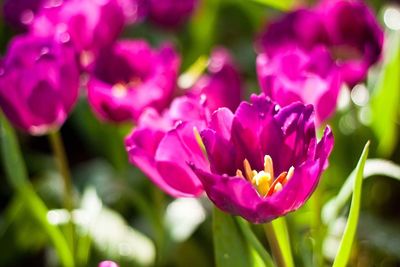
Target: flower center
x=265 y=181
x=120 y=90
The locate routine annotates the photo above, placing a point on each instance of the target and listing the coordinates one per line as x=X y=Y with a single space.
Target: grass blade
x=346 y=243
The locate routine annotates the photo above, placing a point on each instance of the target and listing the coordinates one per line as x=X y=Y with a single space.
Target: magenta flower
x=264 y=161
x=129 y=77
x=20 y=13
x=134 y=10
x=295 y=75
x=171 y=13
x=162 y=145
x=108 y=264
x=347 y=28
x=39 y=82
x=89 y=24
x=355 y=36
x=222 y=85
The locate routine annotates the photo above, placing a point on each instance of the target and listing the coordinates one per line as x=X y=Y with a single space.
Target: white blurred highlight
x=183 y=216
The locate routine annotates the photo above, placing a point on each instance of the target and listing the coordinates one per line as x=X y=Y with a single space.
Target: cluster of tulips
x=196 y=133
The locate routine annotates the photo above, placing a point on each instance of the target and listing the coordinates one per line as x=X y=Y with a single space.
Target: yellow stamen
x=290 y=173
x=264 y=181
x=280 y=180
x=199 y=141
x=268 y=165
x=119 y=90
x=247 y=170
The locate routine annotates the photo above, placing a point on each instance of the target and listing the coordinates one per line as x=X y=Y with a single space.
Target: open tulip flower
x=162 y=145
x=39 y=83
x=129 y=77
x=264 y=161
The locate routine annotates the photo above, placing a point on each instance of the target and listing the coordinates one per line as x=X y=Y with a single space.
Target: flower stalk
x=62 y=162
x=278 y=239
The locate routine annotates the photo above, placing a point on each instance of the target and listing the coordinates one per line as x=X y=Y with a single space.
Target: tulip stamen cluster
x=120 y=90
x=265 y=181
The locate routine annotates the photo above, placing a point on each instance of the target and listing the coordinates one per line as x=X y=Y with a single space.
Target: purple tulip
x=39 y=82
x=134 y=10
x=222 y=85
x=295 y=75
x=171 y=13
x=89 y=24
x=162 y=145
x=355 y=36
x=108 y=264
x=20 y=13
x=264 y=161
x=129 y=77
x=347 y=28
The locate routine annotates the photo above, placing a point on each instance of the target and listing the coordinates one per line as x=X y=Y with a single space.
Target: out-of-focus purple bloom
x=129 y=77
x=264 y=161
x=162 y=145
x=355 y=37
x=222 y=85
x=39 y=83
x=171 y=13
x=89 y=24
x=348 y=28
x=20 y=13
x=295 y=75
x=108 y=264
x=134 y=10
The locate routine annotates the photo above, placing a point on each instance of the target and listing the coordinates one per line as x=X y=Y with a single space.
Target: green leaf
x=385 y=101
x=18 y=178
x=230 y=247
x=373 y=167
x=282 y=5
x=346 y=243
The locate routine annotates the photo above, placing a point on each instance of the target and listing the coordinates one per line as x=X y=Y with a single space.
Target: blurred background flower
x=39 y=83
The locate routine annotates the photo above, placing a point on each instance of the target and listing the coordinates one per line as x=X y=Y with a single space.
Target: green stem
x=245 y=228
x=316 y=226
x=62 y=162
x=278 y=238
